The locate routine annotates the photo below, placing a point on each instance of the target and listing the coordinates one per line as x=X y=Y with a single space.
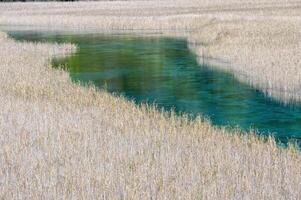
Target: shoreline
x=61 y=140
x=278 y=92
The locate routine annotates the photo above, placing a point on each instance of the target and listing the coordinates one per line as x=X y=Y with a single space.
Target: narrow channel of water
x=164 y=71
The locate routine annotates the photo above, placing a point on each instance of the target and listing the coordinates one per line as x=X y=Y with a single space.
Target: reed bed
x=60 y=140
x=63 y=141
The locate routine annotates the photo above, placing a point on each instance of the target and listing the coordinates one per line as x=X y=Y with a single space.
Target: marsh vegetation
x=60 y=140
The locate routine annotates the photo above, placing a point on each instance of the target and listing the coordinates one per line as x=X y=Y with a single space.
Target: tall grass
x=63 y=141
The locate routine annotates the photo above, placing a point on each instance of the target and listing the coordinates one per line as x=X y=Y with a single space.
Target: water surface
x=163 y=71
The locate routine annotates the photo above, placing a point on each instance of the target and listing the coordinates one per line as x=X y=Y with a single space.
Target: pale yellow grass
x=258 y=41
x=63 y=141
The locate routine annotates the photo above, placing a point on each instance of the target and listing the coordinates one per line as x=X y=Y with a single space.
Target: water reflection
x=164 y=71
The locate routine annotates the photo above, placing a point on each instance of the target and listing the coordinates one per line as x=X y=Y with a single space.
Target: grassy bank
x=61 y=140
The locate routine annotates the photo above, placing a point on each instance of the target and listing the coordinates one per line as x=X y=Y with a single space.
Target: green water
x=163 y=71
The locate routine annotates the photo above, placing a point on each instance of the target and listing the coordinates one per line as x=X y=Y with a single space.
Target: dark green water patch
x=164 y=71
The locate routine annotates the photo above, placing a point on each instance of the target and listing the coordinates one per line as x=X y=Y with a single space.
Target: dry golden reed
x=63 y=141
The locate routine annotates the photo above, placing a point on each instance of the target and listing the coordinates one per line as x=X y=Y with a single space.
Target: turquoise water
x=163 y=71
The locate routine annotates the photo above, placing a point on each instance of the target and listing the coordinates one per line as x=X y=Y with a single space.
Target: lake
x=163 y=71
